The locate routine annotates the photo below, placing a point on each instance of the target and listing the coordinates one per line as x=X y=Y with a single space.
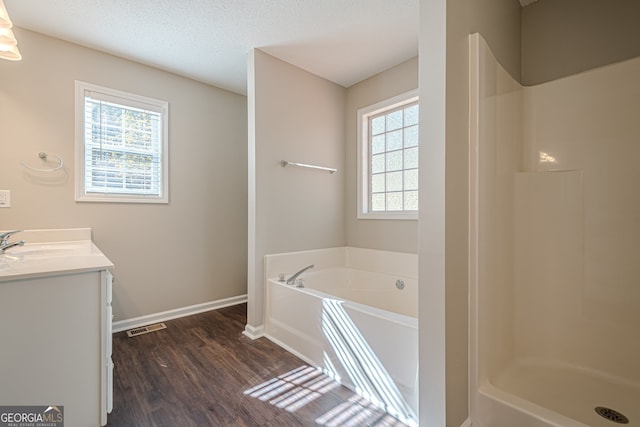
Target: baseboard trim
x=291 y=350
x=466 y=423
x=136 y=322
x=253 y=332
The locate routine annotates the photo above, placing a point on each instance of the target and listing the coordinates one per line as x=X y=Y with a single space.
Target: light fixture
x=5 y=21
x=8 y=43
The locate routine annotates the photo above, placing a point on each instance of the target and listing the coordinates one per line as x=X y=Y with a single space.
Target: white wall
x=297 y=116
x=391 y=235
x=192 y=250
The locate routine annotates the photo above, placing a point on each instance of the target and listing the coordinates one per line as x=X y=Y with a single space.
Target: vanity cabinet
x=55 y=342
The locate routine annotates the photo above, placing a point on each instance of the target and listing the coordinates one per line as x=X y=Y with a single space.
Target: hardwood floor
x=201 y=371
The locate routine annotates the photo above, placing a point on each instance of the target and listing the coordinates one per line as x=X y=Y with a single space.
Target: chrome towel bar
x=284 y=163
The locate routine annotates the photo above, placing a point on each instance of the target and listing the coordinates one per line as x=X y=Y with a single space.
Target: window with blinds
x=388 y=158
x=121 y=146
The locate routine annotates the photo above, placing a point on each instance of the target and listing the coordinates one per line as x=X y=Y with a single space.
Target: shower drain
x=612 y=415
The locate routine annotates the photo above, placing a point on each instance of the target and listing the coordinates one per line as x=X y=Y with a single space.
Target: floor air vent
x=612 y=415
x=146 y=329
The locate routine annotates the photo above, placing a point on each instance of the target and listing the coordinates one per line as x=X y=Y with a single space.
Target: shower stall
x=554 y=246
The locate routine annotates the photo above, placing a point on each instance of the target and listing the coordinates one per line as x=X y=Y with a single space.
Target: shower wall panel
x=588 y=122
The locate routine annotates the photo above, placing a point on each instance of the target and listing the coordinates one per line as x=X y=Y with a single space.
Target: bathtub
x=355 y=318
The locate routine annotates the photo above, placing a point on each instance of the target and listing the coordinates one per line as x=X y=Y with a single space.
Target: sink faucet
x=4 y=240
x=291 y=280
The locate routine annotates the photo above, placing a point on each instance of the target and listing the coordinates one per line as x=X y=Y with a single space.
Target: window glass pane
x=411 y=136
x=121 y=149
x=391 y=184
x=377 y=144
x=394 y=201
x=411 y=200
x=394 y=140
x=377 y=125
x=394 y=181
x=411 y=179
x=411 y=115
x=411 y=158
x=377 y=202
x=137 y=139
x=377 y=183
x=377 y=163
x=394 y=161
x=394 y=120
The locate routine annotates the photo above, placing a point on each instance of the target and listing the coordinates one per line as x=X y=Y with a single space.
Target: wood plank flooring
x=201 y=371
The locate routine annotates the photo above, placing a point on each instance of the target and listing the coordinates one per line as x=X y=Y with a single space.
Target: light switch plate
x=5 y=199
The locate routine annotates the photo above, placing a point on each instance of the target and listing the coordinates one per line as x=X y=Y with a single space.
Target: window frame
x=125 y=99
x=363 y=144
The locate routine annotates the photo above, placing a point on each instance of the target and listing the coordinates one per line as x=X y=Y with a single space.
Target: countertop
x=51 y=253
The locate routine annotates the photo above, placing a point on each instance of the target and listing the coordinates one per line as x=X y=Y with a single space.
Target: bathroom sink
x=45 y=250
x=36 y=259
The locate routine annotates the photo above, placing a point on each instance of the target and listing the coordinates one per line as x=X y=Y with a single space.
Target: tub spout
x=291 y=280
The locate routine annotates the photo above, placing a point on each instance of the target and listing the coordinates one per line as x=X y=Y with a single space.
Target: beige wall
x=390 y=235
x=192 y=250
x=297 y=116
x=565 y=37
x=499 y=22
x=444 y=83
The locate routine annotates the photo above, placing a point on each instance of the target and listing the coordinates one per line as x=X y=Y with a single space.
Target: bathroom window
x=121 y=146
x=388 y=159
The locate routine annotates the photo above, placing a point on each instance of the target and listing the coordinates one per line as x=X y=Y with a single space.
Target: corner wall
x=564 y=37
x=390 y=235
x=187 y=252
x=444 y=173
x=297 y=116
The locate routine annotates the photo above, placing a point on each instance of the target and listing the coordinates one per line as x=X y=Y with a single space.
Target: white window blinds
x=123 y=147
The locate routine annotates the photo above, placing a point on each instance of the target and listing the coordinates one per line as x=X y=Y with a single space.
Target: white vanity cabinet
x=55 y=336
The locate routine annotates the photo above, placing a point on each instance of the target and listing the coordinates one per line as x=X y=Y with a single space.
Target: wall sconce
x=8 y=43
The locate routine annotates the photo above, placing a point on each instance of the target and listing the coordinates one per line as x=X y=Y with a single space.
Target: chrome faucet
x=4 y=240
x=291 y=280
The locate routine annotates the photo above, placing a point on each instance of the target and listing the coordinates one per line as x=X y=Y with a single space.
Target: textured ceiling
x=526 y=2
x=208 y=40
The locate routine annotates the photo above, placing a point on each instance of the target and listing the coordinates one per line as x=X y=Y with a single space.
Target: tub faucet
x=291 y=280
x=4 y=240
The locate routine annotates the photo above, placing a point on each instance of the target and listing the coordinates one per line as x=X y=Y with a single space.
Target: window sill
x=121 y=198
x=403 y=216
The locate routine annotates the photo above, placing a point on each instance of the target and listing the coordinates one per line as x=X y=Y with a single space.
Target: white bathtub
x=353 y=323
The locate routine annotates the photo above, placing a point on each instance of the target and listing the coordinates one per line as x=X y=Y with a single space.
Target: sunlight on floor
x=294 y=389
x=299 y=387
x=357 y=411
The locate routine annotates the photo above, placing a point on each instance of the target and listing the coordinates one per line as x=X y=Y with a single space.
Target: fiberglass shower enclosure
x=555 y=235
